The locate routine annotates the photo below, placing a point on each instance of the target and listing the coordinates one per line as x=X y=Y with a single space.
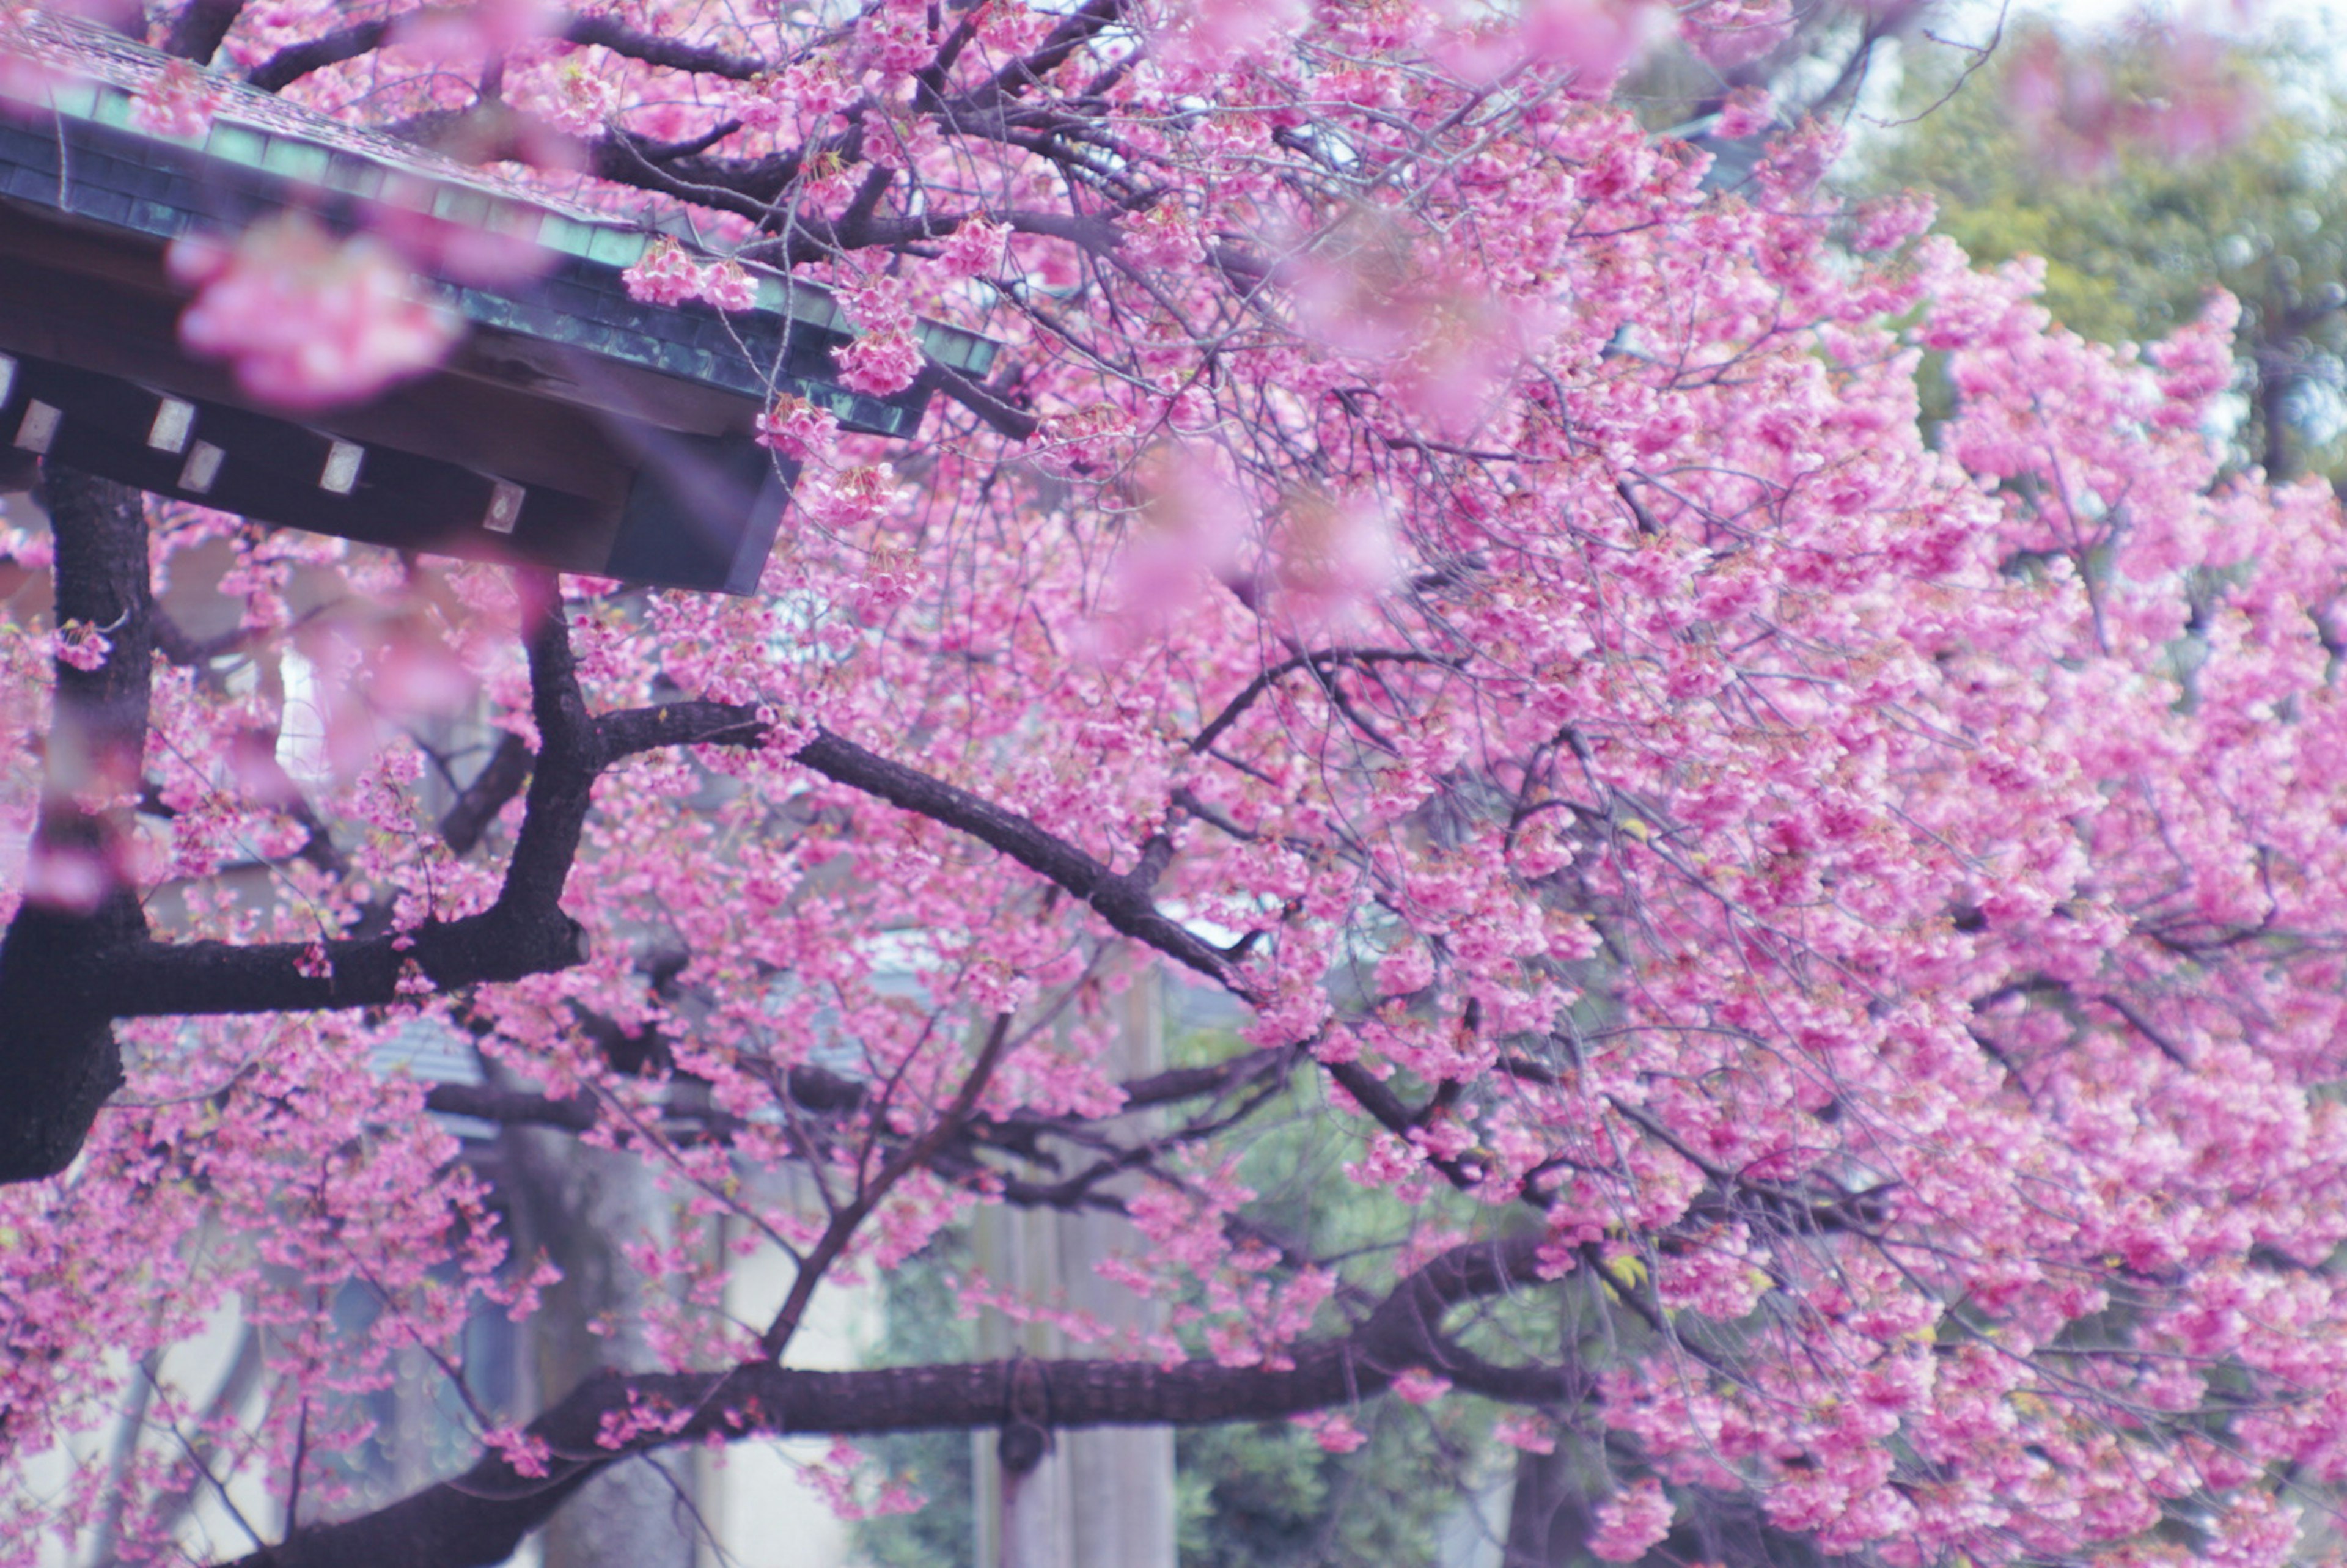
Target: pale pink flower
x=583 y=101
x=729 y=286
x=309 y=320
x=82 y=645
x=1729 y=33
x=1532 y=1433
x=1161 y=237
x=974 y=250
x=878 y=305
x=797 y=428
x=1631 y=1521
x=1335 y=1434
x=880 y=363
x=665 y=275
x=1417 y=1385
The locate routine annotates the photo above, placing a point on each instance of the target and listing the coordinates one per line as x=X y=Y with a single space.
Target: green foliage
x=2132 y=254
x=1268 y=1497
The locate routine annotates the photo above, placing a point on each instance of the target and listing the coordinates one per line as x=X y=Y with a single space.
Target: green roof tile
x=297 y=160
x=235 y=143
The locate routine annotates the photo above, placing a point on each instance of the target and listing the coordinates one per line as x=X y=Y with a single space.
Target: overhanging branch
x=480 y=1517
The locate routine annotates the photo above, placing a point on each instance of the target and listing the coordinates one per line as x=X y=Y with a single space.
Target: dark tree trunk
x=58 y=1055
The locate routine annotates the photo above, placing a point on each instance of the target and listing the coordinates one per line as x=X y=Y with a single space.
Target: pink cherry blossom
x=1633 y=1520
x=663 y=275
x=1700 y=759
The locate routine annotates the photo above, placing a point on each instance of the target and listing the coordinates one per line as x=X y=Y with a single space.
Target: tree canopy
x=1823 y=945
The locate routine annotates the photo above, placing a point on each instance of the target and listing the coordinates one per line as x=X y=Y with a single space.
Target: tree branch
x=480 y=1517
x=196 y=33
x=1118 y=899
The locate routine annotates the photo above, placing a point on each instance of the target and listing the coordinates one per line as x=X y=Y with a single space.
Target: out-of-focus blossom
x=1595 y=39
x=462 y=254
x=309 y=320
x=1212 y=32
x=491 y=28
x=1599 y=38
x=2206 y=105
x=1731 y=33
x=76 y=881
x=2195 y=102
x=1749 y=111
x=1532 y=1433
x=1187 y=532
x=1631 y=1521
x=1335 y=1433
x=1332 y=554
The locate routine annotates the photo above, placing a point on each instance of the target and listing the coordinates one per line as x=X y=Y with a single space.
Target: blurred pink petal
x=1600 y=38
x=73 y=880
x=460 y=252
x=1749 y=111
x=308 y=321
x=491 y=28
x=1731 y=33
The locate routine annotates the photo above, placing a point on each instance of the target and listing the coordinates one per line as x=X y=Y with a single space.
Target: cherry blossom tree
x=1821 y=938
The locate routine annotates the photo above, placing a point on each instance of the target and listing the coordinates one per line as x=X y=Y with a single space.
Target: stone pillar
x=1098 y=1497
x=583 y=1205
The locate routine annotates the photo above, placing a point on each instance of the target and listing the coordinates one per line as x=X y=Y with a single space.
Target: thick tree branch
x=499 y=780
x=89 y=971
x=119 y=974
x=293 y=62
x=480 y=1517
x=196 y=33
